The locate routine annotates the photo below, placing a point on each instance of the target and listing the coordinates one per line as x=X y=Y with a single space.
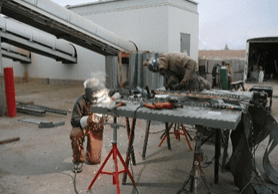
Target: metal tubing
x=9 y=140
x=47 y=109
x=115 y=134
x=29 y=110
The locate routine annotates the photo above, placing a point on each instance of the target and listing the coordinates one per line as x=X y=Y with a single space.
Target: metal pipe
x=13 y=49
x=36 y=36
x=53 y=15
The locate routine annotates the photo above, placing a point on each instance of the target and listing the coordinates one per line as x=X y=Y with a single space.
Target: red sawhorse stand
x=115 y=152
x=177 y=134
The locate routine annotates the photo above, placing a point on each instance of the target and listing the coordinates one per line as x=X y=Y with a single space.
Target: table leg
x=217 y=154
x=270 y=103
x=128 y=133
x=168 y=136
x=146 y=139
x=225 y=151
x=130 y=145
x=242 y=85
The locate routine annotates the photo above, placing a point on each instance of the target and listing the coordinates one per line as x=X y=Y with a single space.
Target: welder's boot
x=77 y=167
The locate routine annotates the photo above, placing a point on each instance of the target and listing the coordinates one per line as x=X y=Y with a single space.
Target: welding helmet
x=92 y=88
x=153 y=65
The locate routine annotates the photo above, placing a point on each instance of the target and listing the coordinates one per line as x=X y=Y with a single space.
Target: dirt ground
x=40 y=162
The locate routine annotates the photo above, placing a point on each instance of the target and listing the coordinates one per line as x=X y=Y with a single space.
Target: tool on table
x=171 y=103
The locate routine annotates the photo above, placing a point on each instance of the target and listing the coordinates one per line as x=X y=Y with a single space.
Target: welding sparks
x=103 y=97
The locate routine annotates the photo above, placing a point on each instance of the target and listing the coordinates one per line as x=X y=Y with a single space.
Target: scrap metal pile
x=255 y=126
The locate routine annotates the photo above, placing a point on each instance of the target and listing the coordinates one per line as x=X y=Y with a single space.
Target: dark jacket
x=80 y=109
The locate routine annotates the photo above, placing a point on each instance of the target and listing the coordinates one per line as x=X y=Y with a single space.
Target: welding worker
x=215 y=71
x=84 y=123
x=179 y=70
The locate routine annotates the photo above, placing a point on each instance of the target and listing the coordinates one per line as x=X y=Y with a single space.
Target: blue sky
x=229 y=22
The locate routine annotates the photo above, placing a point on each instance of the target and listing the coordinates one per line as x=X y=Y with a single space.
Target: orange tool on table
x=162 y=105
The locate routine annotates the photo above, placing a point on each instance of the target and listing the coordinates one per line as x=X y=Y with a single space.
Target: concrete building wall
x=183 y=20
x=153 y=25
x=88 y=63
x=18 y=67
x=144 y=22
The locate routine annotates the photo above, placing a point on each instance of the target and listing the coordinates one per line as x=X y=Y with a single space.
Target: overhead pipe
x=36 y=36
x=14 y=49
x=15 y=53
x=59 y=19
x=41 y=38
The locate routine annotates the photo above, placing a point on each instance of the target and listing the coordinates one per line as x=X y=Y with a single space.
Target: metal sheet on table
x=209 y=117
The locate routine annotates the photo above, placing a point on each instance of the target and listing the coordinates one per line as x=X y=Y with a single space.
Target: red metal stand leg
x=186 y=137
x=116 y=180
x=164 y=137
x=100 y=170
x=116 y=175
x=177 y=134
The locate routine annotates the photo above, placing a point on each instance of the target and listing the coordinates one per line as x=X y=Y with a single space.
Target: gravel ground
x=40 y=162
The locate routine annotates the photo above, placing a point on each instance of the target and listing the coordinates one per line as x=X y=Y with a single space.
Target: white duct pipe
x=15 y=50
x=36 y=36
x=83 y=23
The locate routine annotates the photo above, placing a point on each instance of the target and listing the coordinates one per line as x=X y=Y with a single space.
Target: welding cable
x=137 y=109
x=206 y=163
x=74 y=182
x=246 y=185
x=75 y=172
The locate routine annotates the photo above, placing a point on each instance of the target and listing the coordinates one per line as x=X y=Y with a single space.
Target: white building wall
x=144 y=22
x=18 y=68
x=153 y=25
x=88 y=63
x=183 y=20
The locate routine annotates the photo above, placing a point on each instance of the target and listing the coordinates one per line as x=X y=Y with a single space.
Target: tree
x=226 y=47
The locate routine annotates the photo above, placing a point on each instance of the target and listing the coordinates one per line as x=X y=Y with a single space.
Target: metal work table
x=206 y=116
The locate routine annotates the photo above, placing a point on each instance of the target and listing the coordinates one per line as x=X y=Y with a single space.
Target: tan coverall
x=180 y=68
x=94 y=133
